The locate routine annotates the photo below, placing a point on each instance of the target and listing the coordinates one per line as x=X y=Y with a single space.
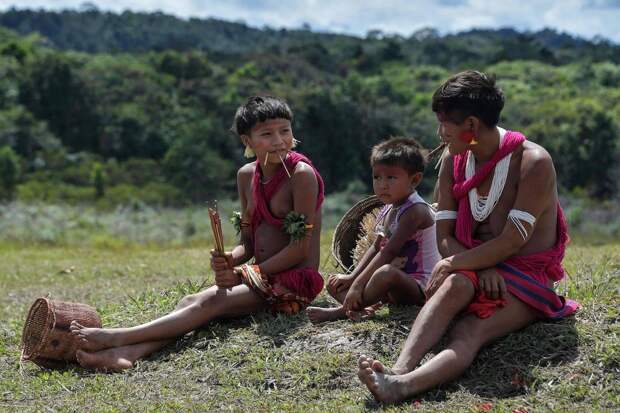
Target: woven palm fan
x=353 y=230
x=46 y=339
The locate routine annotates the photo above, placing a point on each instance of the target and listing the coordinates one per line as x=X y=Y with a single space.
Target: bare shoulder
x=536 y=161
x=446 y=172
x=447 y=163
x=245 y=173
x=304 y=175
x=419 y=216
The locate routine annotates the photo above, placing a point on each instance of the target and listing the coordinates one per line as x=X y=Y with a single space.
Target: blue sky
x=585 y=18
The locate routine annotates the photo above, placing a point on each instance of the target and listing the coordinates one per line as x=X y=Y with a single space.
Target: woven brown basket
x=46 y=339
x=348 y=230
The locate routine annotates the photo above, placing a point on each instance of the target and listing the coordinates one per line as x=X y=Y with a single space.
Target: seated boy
x=284 y=275
x=396 y=267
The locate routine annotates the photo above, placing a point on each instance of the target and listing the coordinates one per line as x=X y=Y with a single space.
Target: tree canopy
x=146 y=100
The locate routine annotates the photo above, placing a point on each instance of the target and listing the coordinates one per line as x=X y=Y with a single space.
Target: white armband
x=445 y=214
x=516 y=216
x=380 y=230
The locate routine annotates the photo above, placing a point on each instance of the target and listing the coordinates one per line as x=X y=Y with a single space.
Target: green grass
x=267 y=363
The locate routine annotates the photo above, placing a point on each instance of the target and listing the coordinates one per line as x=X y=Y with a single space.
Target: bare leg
x=118 y=358
x=468 y=336
x=386 y=279
x=452 y=297
x=204 y=307
x=390 y=279
x=338 y=295
x=321 y=314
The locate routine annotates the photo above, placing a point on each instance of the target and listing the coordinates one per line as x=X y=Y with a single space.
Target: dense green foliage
x=9 y=172
x=150 y=98
x=90 y=30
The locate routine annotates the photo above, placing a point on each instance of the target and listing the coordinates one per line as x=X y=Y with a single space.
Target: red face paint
x=467 y=136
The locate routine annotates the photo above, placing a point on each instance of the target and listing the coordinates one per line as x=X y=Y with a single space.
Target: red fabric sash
x=288 y=291
x=262 y=194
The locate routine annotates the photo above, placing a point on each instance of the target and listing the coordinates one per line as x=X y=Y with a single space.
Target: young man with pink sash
x=280 y=224
x=501 y=231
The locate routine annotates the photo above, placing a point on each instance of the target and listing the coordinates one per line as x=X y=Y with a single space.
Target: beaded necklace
x=482 y=206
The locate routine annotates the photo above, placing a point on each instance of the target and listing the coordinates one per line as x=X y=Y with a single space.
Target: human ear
x=249 y=151
x=474 y=124
x=245 y=139
x=416 y=178
x=469 y=136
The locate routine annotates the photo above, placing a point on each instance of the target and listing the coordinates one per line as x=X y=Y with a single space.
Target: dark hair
x=396 y=151
x=469 y=93
x=259 y=109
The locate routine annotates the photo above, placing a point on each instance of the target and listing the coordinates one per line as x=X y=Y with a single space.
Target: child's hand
x=222 y=266
x=353 y=300
x=221 y=262
x=227 y=278
x=339 y=282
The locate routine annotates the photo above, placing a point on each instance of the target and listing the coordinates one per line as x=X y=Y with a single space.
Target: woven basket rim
x=36 y=351
x=355 y=213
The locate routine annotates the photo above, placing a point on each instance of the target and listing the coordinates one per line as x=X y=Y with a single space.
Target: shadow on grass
x=279 y=327
x=276 y=328
x=505 y=368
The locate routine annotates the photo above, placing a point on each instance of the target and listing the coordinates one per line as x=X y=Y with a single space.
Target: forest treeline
x=117 y=107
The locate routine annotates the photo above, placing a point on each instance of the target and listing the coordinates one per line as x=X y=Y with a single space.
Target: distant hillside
x=94 y=31
x=111 y=107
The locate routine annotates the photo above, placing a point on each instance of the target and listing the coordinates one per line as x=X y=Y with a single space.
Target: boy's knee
x=457 y=284
x=386 y=273
x=201 y=301
x=455 y=289
x=331 y=290
x=187 y=301
x=208 y=301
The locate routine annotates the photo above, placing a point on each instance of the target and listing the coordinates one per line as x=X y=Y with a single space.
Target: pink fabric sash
x=262 y=194
x=527 y=276
x=465 y=220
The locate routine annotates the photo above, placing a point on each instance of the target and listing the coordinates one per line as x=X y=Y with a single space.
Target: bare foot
x=377 y=366
x=93 y=339
x=364 y=314
x=107 y=360
x=384 y=387
x=320 y=314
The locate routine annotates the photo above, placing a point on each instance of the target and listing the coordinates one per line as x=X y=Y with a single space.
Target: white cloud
x=587 y=18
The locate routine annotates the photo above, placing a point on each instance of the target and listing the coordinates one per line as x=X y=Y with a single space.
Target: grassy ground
x=267 y=363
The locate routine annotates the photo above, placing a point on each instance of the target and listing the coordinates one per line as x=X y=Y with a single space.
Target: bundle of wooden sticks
x=216 y=226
